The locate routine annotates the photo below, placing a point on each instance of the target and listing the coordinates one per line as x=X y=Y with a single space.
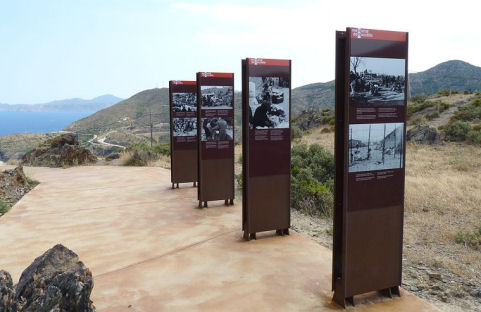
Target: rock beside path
x=423 y=135
x=13 y=184
x=55 y=281
x=60 y=151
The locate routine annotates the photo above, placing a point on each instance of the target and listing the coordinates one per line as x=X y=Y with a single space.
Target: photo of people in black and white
x=268 y=102
x=217 y=97
x=217 y=129
x=185 y=126
x=184 y=102
x=375 y=146
x=376 y=81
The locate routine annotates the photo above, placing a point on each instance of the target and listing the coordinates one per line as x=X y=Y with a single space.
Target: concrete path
x=151 y=249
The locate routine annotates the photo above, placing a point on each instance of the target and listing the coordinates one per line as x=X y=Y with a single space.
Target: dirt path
x=151 y=249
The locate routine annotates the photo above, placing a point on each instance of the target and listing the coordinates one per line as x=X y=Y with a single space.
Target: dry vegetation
x=443 y=197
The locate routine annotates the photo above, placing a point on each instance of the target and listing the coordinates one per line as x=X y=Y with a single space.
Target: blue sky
x=55 y=49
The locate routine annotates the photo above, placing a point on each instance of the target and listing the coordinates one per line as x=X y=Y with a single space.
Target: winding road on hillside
x=151 y=249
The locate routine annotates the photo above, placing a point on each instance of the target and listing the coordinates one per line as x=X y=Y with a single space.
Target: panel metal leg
x=231 y=201
x=226 y=202
x=395 y=291
x=177 y=185
x=173 y=187
x=205 y=204
x=195 y=184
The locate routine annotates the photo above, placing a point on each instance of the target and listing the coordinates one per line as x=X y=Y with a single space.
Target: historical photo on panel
x=217 y=97
x=217 y=129
x=376 y=81
x=184 y=102
x=268 y=102
x=185 y=126
x=375 y=146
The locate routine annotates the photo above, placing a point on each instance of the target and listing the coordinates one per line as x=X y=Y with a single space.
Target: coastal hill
x=456 y=75
x=67 y=105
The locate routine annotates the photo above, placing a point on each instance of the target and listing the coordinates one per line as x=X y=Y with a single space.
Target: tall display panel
x=183 y=131
x=266 y=148
x=215 y=132
x=371 y=89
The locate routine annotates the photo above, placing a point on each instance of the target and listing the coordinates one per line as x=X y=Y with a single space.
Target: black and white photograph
x=185 y=126
x=268 y=102
x=184 y=102
x=376 y=146
x=376 y=81
x=217 y=97
x=217 y=129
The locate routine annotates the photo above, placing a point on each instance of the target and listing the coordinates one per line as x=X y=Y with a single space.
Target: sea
x=37 y=122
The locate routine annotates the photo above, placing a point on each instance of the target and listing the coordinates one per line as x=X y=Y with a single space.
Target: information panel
x=215 y=120
x=266 y=107
x=371 y=88
x=183 y=131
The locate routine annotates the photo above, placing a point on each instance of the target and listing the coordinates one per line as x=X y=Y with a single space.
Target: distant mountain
x=68 y=105
x=456 y=75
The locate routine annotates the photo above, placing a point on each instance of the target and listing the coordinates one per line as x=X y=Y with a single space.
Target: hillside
x=68 y=105
x=455 y=75
x=133 y=111
x=313 y=96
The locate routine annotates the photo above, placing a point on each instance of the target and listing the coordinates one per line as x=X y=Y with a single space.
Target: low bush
x=469 y=112
x=469 y=239
x=4 y=206
x=474 y=137
x=457 y=131
x=296 y=132
x=415 y=107
x=312 y=171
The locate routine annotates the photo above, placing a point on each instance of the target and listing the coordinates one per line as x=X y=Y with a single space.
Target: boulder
x=13 y=184
x=423 y=134
x=7 y=294
x=55 y=281
x=60 y=151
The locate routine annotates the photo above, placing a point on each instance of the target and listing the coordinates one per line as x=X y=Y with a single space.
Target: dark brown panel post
x=215 y=132
x=371 y=98
x=266 y=148
x=183 y=131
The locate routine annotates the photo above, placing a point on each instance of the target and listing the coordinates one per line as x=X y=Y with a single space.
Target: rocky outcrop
x=55 y=281
x=60 y=151
x=423 y=135
x=14 y=184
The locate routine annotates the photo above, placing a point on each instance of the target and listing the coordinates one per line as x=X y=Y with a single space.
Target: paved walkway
x=151 y=249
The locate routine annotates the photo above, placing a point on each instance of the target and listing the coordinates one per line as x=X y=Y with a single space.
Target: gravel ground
x=447 y=291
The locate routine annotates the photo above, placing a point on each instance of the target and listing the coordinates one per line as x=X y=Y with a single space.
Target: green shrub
x=415 y=107
x=474 y=137
x=442 y=106
x=296 y=132
x=469 y=112
x=457 y=130
x=312 y=171
x=432 y=115
x=469 y=239
x=4 y=206
x=443 y=92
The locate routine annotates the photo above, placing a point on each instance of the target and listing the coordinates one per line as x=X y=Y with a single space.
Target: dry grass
x=443 y=196
x=319 y=136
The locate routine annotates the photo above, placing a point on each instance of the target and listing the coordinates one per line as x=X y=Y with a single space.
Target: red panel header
x=372 y=34
x=216 y=75
x=183 y=82
x=268 y=62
